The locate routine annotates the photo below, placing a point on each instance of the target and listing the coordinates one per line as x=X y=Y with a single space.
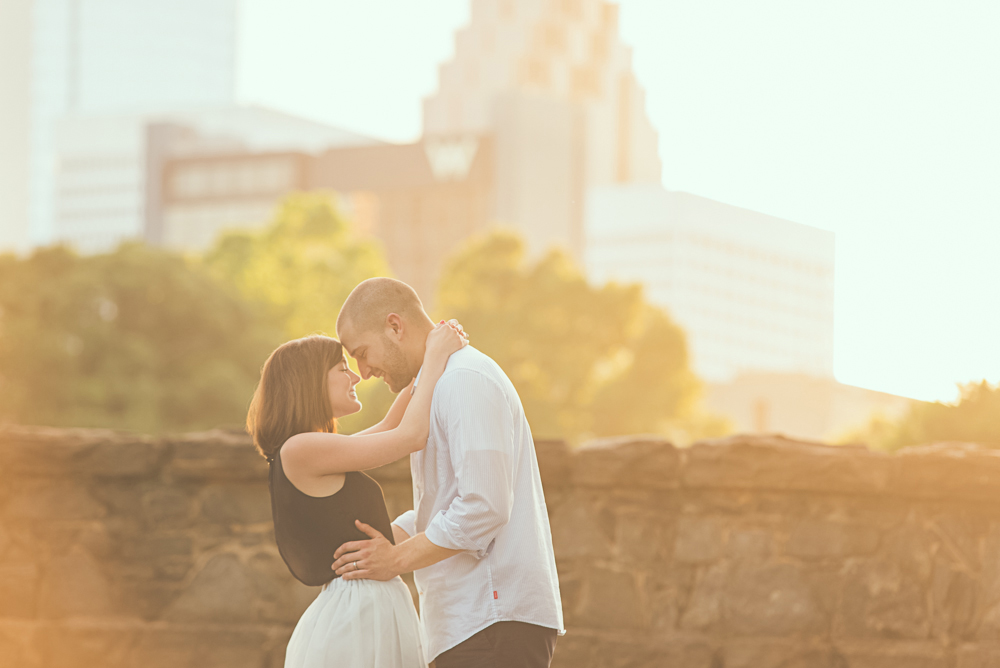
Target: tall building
x=553 y=82
x=753 y=292
x=96 y=57
x=109 y=183
x=420 y=200
x=15 y=86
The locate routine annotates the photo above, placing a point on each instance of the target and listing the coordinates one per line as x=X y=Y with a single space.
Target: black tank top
x=309 y=529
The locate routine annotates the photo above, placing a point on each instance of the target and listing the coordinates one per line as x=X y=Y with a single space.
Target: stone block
x=121 y=498
x=575 y=650
x=281 y=598
x=880 y=600
x=664 y=599
x=554 y=463
x=742 y=462
x=148 y=598
x=633 y=653
x=48 y=453
x=978 y=656
x=224 y=590
x=771 y=599
x=584 y=650
x=961 y=534
x=954 y=594
x=236 y=504
x=989 y=626
x=644 y=538
x=611 y=600
x=698 y=539
x=822 y=539
x=215 y=455
x=19 y=646
x=168 y=505
x=131 y=458
x=704 y=608
x=897 y=655
x=627 y=462
x=749 y=544
x=96 y=539
x=950 y=471
x=18 y=587
x=86 y=646
x=766 y=653
x=571 y=592
x=577 y=531
x=40 y=501
x=186 y=648
x=153 y=546
x=276 y=655
x=75 y=585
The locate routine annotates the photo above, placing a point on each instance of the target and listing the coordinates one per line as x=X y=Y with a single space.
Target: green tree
x=136 y=339
x=304 y=264
x=585 y=360
x=975 y=418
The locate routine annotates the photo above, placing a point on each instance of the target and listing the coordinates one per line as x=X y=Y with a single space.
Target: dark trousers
x=503 y=645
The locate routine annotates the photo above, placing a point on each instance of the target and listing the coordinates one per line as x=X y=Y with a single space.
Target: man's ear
x=394 y=326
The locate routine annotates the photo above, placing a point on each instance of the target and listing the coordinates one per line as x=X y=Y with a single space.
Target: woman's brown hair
x=291 y=397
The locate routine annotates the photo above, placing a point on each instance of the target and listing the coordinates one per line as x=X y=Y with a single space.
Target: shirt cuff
x=407 y=522
x=445 y=532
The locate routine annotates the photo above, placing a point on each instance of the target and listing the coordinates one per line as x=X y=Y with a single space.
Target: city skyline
x=873 y=124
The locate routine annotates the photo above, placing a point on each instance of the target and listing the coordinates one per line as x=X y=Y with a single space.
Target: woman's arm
x=398 y=408
x=319 y=454
x=395 y=414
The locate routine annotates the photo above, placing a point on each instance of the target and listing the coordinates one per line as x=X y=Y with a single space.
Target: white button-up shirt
x=476 y=488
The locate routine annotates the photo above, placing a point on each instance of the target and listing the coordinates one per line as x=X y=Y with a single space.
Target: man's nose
x=365 y=370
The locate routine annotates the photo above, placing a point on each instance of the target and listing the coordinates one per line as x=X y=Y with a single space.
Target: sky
x=879 y=121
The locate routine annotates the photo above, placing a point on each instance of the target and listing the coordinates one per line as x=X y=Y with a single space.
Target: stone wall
x=119 y=551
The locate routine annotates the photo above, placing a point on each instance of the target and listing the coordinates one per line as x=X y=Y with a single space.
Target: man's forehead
x=352 y=340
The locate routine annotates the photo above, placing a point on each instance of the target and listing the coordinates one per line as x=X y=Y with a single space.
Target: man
x=478 y=539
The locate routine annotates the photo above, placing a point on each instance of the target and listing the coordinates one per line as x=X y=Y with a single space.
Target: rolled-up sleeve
x=481 y=443
x=407 y=522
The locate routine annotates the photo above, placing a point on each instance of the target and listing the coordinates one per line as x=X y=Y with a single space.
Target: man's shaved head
x=383 y=326
x=371 y=301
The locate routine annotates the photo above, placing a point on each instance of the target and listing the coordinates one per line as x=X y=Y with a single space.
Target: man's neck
x=417 y=354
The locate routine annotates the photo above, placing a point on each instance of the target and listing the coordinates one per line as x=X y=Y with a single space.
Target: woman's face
x=340 y=382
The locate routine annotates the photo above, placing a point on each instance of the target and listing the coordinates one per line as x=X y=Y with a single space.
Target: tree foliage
x=975 y=418
x=304 y=264
x=147 y=340
x=585 y=360
x=135 y=339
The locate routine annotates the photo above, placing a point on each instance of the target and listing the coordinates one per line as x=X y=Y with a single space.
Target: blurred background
x=661 y=217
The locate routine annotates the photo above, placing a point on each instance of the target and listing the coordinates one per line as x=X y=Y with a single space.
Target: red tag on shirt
x=495 y=597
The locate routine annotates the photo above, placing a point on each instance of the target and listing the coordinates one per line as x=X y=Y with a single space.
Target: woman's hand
x=445 y=339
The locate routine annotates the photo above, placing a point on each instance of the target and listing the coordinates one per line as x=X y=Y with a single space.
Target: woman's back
x=309 y=529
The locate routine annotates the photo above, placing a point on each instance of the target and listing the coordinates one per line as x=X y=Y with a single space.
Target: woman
x=318 y=491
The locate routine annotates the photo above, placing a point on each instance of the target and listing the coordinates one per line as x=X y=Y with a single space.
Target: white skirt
x=358 y=624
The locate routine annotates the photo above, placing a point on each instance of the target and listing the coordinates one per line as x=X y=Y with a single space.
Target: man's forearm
x=418 y=552
x=399 y=535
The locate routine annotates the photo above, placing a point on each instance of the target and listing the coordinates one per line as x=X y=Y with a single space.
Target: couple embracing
x=478 y=539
